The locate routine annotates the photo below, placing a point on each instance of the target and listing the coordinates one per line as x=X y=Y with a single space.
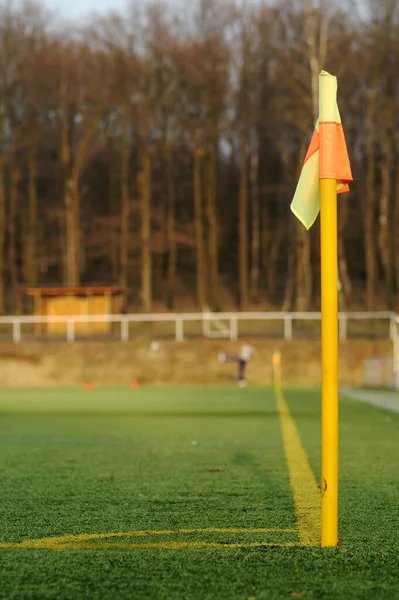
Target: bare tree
x=160 y=150
x=146 y=253
x=2 y=214
x=80 y=116
x=199 y=228
x=12 y=228
x=125 y=200
x=370 y=212
x=255 y=218
x=171 y=224
x=244 y=128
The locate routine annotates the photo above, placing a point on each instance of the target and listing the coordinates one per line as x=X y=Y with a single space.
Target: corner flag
x=325 y=173
x=322 y=163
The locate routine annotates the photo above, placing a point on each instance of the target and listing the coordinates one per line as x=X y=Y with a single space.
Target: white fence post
x=206 y=327
x=233 y=329
x=179 y=333
x=16 y=331
x=70 y=331
x=393 y=327
x=288 y=327
x=124 y=330
x=343 y=322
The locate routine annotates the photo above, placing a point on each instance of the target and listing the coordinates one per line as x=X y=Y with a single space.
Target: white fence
x=211 y=325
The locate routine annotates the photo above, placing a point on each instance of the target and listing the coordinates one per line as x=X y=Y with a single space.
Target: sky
x=76 y=9
x=79 y=8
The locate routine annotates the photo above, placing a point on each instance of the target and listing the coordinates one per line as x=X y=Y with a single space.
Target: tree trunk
x=212 y=223
x=171 y=226
x=125 y=201
x=2 y=222
x=72 y=232
x=72 y=167
x=74 y=248
x=290 y=274
x=199 y=229
x=344 y=277
x=31 y=237
x=113 y=232
x=71 y=275
x=273 y=268
x=264 y=248
x=303 y=269
x=384 y=234
x=370 y=209
x=243 y=218
x=12 y=241
x=146 y=254
x=396 y=224
x=255 y=241
x=266 y=259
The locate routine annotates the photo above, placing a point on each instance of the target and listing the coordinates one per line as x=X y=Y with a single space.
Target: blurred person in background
x=241 y=359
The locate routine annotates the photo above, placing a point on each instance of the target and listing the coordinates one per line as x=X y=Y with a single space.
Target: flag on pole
x=326 y=172
x=333 y=164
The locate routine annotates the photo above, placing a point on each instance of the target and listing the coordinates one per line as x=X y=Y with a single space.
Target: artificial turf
x=160 y=459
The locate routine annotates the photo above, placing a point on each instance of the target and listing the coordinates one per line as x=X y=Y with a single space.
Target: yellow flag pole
x=329 y=326
x=329 y=351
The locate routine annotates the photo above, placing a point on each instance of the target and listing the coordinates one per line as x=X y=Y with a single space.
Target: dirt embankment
x=191 y=362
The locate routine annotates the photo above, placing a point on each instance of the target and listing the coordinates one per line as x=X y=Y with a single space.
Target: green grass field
x=78 y=467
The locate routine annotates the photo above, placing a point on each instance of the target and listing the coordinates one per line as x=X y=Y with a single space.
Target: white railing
x=222 y=325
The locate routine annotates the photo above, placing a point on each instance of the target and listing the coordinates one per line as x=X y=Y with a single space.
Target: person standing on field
x=241 y=359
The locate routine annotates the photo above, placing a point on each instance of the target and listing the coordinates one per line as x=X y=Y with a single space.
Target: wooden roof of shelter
x=73 y=290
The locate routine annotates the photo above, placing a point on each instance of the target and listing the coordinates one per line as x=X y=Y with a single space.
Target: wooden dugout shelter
x=79 y=301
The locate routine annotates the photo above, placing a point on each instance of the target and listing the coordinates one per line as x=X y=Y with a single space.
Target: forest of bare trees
x=159 y=150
